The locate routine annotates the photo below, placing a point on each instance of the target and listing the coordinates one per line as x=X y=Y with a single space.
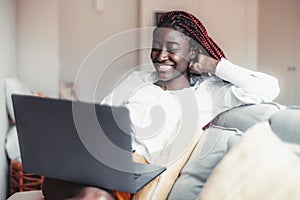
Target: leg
x=54 y=189
x=93 y=193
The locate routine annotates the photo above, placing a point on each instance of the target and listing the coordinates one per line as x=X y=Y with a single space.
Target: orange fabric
x=40 y=94
x=125 y=195
x=121 y=195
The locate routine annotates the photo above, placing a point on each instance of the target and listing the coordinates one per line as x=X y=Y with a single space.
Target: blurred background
x=44 y=42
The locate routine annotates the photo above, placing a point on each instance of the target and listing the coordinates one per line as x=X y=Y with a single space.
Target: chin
x=163 y=74
x=166 y=77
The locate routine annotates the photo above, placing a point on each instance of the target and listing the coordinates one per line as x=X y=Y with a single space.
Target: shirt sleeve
x=246 y=85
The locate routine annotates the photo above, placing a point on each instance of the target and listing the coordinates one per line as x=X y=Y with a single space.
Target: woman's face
x=170 y=53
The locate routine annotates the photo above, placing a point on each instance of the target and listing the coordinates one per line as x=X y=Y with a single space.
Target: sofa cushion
x=245 y=116
x=13 y=85
x=160 y=187
x=215 y=143
x=260 y=166
x=212 y=147
x=286 y=124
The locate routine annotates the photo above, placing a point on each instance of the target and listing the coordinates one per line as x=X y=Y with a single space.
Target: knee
x=93 y=193
x=54 y=189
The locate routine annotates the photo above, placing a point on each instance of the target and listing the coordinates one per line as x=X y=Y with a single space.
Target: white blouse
x=158 y=116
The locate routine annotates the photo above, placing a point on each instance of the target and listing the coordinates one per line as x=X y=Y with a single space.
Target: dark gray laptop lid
x=80 y=142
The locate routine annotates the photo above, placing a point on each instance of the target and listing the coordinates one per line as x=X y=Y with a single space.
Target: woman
x=186 y=61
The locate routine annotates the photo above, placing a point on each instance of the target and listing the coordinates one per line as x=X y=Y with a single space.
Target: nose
x=162 y=55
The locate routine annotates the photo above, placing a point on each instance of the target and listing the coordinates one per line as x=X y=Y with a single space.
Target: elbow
x=276 y=93
x=272 y=90
x=258 y=94
x=267 y=91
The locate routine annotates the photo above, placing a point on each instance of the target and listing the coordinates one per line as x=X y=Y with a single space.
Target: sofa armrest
x=245 y=116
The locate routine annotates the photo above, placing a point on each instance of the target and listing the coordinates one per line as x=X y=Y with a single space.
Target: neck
x=178 y=83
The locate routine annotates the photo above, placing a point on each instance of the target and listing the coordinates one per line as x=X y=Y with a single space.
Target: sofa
x=261 y=149
x=264 y=164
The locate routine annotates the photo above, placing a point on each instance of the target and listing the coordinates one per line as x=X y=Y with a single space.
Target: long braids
x=193 y=28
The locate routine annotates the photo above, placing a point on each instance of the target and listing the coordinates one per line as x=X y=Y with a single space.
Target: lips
x=163 y=67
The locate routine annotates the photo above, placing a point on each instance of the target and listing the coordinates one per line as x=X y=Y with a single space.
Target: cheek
x=180 y=59
x=182 y=64
x=182 y=56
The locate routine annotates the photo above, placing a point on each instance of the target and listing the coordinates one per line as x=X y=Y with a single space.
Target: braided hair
x=191 y=26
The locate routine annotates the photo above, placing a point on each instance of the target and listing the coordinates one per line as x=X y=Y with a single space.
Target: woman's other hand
x=203 y=64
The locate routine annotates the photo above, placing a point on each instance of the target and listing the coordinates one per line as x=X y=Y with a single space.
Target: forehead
x=169 y=34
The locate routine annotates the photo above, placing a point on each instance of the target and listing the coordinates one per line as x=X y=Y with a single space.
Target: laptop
x=80 y=142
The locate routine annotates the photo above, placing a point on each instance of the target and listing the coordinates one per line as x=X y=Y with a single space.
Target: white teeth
x=165 y=67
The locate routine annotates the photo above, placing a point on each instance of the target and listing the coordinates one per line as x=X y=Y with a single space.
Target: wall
x=279 y=46
x=147 y=9
x=54 y=37
x=82 y=29
x=233 y=25
x=38 y=45
x=7 y=68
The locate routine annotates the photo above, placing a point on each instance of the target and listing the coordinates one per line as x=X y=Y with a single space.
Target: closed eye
x=173 y=47
x=173 y=50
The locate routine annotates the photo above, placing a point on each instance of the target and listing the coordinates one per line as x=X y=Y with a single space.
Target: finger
x=192 y=62
x=194 y=69
x=191 y=67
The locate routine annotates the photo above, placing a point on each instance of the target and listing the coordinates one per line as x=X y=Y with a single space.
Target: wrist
x=212 y=68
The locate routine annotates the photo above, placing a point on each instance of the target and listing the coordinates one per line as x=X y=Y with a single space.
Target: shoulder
x=125 y=87
x=145 y=92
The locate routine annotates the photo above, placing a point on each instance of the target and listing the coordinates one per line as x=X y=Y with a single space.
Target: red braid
x=192 y=27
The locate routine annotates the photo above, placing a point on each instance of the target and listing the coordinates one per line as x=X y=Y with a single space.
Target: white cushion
x=13 y=86
x=12 y=144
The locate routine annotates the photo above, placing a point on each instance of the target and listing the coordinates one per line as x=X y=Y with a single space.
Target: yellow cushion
x=259 y=167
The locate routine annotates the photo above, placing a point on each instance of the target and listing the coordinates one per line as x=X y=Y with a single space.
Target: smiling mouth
x=163 y=68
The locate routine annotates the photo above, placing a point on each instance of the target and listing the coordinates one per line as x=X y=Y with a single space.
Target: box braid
x=192 y=27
